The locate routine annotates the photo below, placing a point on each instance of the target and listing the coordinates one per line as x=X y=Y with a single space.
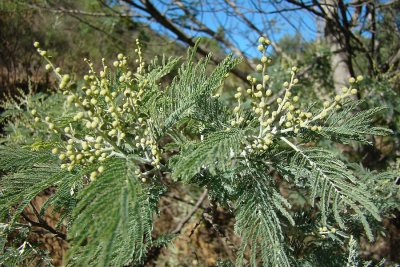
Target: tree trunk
x=338 y=42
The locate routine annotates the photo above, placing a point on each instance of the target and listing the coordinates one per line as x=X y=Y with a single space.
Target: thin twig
x=182 y=223
x=44 y=225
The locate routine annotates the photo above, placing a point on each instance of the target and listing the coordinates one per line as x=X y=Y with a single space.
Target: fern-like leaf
x=112 y=222
x=213 y=153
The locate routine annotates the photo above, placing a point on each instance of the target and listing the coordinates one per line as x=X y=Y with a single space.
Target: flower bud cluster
x=281 y=113
x=108 y=110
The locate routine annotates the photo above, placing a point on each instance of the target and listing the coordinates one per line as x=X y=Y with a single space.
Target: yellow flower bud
x=360 y=78
x=279 y=100
x=260 y=48
x=295 y=98
x=261 y=40
x=36 y=44
x=352 y=80
x=264 y=59
x=353 y=91
x=259 y=67
x=268 y=92
x=93 y=176
x=51 y=126
x=338 y=98
x=259 y=86
x=326 y=104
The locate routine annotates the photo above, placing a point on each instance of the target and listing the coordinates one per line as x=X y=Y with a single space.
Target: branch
x=43 y=224
x=182 y=223
x=160 y=18
x=256 y=29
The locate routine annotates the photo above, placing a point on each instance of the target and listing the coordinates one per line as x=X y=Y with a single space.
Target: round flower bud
x=338 y=98
x=344 y=89
x=236 y=109
x=359 y=79
x=99 y=139
x=57 y=70
x=260 y=48
x=144 y=180
x=352 y=80
x=79 y=156
x=314 y=128
x=51 y=126
x=84 y=145
x=353 y=91
x=248 y=91
x=261 y=39
x=115 y=63
x=264 y=59
x=294 y=69
x=54 y=150
x=33 y=112
x=259 y=67
x=47 y=67
x=120 y=56
x=248 y=77
x=43 y=53
x=36 y=44
x=93 y=176
x=37 y=119
x=326 y=104
x=100 y=169
x=268 y=92
x=295 y=98
x=296 y=81
x=286 y=84
x=238 y=95
x=279 y=100
x=308 y=115
x=259 y=86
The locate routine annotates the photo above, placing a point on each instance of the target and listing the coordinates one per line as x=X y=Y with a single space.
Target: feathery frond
x=334 y=184
x=211 y=154
x=112 y=222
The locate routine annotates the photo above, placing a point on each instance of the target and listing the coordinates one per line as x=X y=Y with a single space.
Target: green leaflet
x=211 y=154
x=112 y=221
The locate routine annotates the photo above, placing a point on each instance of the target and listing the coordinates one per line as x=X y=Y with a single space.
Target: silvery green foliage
x=113 y=141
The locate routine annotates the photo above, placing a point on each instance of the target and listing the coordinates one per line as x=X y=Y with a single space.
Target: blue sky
x=215 y=16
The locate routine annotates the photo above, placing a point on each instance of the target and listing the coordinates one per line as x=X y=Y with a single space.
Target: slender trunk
x=338 y=42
